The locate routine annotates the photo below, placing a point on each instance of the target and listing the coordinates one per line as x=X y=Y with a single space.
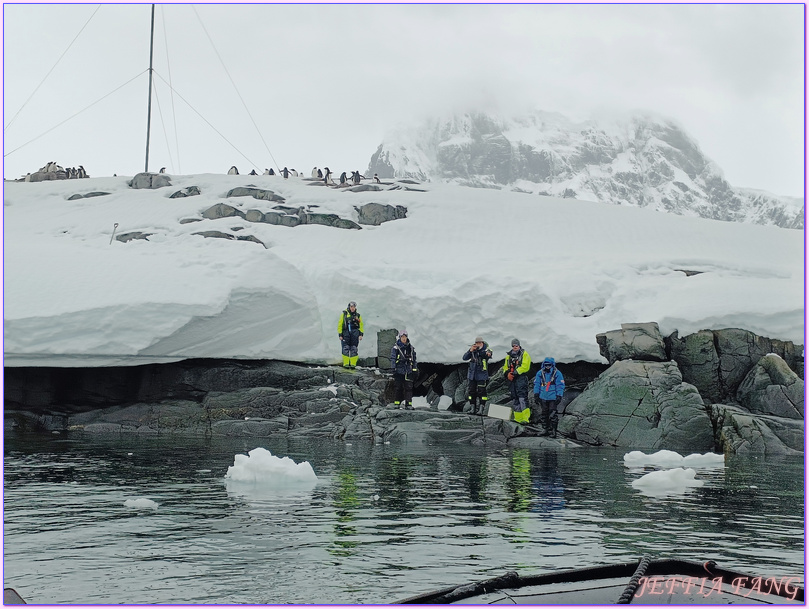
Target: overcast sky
x=305 y=85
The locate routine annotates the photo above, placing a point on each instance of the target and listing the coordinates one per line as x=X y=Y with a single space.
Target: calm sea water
x=384 y=522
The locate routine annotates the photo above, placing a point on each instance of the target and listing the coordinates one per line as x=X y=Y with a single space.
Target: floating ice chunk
x=667 y=482
x=261 y=467
x=141 y=503
x=668 y=458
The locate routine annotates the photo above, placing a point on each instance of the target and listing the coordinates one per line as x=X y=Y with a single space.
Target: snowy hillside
x=641 y=161
x=464 y=262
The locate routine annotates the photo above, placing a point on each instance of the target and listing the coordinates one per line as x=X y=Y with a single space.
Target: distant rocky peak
x=642 y=160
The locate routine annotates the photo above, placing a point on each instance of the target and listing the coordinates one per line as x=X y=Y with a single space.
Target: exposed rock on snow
x=633 y=341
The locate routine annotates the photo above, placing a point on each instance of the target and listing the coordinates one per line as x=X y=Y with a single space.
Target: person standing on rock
x=405 y=370
x=549 y=387
x=350 y=330
x=516 y=367
x=478 y=356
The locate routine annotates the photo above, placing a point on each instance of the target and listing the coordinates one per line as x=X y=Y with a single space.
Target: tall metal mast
x=149 y=114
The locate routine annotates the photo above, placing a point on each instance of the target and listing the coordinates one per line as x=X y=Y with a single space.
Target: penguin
x=294 y=173
x=253 y=172
x=285 y=173
x=233 y=171
x=162 y=170
x=343 y=177
x=82 y=173
x=314 y=172
x=327 y=176
x=376 y=178
x=272 y=173
x=319 y=174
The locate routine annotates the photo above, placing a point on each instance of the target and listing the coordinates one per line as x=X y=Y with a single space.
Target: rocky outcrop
x=375 y=214
x=633 y=341
x=188 y=191
x=737 y=431
x=642 y=161
x=716 y=361
x=640 y=404
x=256 y=193
x=86 y=196
x=150 y=180
x=771 y=388
x=634 y=403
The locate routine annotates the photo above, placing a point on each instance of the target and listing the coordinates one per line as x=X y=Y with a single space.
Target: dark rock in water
x=640 y=404
x=86 y=196
x=150 y=180
x=190 y=191
x=738 y=431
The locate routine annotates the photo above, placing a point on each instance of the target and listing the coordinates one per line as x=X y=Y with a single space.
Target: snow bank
x=464 y=262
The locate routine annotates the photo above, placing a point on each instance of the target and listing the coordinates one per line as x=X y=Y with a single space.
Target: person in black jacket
x=405 y=370
x=478 y=356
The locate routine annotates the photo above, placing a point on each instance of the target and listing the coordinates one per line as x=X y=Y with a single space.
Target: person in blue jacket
x=478 y=356
x=405 y=370
x=549 y=387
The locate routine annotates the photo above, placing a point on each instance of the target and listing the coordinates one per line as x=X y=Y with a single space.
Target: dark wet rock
x=699 y=362
x=364 y=188
x=150 y=180
x=189 y=191
x=738 y=431
x=641 y=341
x=640 y=404
x=771 y=388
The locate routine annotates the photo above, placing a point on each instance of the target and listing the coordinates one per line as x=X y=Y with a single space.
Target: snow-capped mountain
x=642 y=161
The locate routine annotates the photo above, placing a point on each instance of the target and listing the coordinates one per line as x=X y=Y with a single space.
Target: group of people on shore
x=548 y=383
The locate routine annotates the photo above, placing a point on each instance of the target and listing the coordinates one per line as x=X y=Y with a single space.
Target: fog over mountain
x=640 y=160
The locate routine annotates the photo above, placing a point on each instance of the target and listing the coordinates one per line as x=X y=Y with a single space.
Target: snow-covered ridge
x=640 y=161
x=464 y=262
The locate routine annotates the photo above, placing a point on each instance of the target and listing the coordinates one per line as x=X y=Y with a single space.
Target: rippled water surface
x=384 y=522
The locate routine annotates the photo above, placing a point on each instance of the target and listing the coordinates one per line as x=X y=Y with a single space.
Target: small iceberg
x=667 y=482
x=669 y=458
x=260 y=467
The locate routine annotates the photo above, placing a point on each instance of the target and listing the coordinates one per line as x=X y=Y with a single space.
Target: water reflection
x=382 y=523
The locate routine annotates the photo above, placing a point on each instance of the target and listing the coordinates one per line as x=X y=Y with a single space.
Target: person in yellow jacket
x=350 y=329
x=516 y=368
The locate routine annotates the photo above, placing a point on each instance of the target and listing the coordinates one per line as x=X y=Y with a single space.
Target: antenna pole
x=149 y=113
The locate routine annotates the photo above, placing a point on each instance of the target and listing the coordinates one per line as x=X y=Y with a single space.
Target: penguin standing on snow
x=343 y=178
x=319 y=174
x=81 y=173
x=285 y=173
x=162 y=170
x=253 y=172
x=233 y=171
x=327 y=176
